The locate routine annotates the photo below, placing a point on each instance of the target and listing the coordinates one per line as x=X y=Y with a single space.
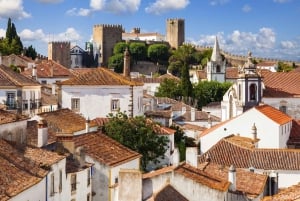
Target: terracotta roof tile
x=65 y=121
x=158 y=113
x=48 y=69
x=100 y=76
x=228 y=152
x=169 y=193
x=10 y=117
x=274 y=114
x=294 y=138
x=159 y=172
x=202 y=177
x=104 y=149
x=232 y=73
x=18 y=171
x=289 y=194
x=280 y=84
x=8 y=77
x=250 y=183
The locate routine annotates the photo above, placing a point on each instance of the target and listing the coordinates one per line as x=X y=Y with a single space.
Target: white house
x=19 y=93
x=100 y=92
x=269 y=126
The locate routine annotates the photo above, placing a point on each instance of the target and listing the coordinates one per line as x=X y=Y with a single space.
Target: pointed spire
x=216 y=54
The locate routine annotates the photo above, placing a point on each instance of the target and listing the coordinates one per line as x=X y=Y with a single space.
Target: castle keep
x=60 y=52
x=105 y=37
x=175 y=32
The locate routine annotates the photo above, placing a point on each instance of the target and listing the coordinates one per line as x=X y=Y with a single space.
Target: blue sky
x=267 y=28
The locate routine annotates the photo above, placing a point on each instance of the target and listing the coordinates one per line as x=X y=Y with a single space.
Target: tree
x=186 y=85
x=138 y=51
x=30 y=52
x=138 y=134
x=169 y=88
x=175 y=68
x=116 y=62
x=158 y=53
x=120 y=48
x=213 y=91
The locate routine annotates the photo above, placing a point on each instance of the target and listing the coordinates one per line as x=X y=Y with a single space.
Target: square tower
x=60 y=52
x=175 y=32
x=105 y=37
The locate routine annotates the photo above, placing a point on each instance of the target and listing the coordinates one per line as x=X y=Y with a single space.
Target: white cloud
x=113 y=6
x=2 y=33
x=288 y=45
x=162 y=6
x=12 y=9
x=218 y=2
x=28 y=35
x=246 y=8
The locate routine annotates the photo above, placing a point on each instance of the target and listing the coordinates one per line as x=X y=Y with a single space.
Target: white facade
x=195 y=191
x=105 y=178
x=28 y=98
x=97 y=101
x=36 y=192
x=76 y=57
x=269 y=133
x=82 y=190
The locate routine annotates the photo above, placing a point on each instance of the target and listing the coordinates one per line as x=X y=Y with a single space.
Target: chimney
x=126 y=70
x=42 y=133
x=232 y=178
x=254 y=132
x=191 y=155
x=34 y=72
x=209 y=123
x=193 y=114
x=80 y=156
x=51 y=70
x=131 y=179
x=87 y=125
x=0 y=58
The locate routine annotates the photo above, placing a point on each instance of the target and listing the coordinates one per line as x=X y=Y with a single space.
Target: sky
x=267 y=28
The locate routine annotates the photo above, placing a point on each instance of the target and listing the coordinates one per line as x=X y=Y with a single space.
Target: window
x=75 y=104
x=44 y=81
x=73 y=182
x=88 y=177
x=282 y=108
x=218 y=68
x=11 y=100
x=115 y=104
x=60 y=181
x=52 y=184
x=252 y=92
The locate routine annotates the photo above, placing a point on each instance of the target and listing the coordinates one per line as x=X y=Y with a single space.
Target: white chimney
x=193 y=114
x=254 y=132
x=209 y=123
x=80 y=155
x=0 y=58
x=191 y=156
x=34 y=72
x=87 y=125
x=232 y=178
x=42 y=133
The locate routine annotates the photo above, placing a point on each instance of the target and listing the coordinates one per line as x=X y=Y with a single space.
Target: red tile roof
x=274 y=114
x=21 y=169
x=228 y=152
x=49 y=69
x=10 y=117
x=281 y=84
x=202 y=177
x=100 y=76
x=291 y=193
x=169 y=193
x=232 y=73
x=8 y=77
x=160 y=171
x=294 y=138
x=250 y=183
x=104 y=149
x=65 y=121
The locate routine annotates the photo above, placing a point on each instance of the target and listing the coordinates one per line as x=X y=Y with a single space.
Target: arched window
x=253 y=92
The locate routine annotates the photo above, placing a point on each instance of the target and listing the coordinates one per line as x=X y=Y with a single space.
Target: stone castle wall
x=60 y=52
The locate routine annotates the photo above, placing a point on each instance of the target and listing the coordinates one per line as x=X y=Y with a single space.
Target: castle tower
x=126 y=70
x=60 y=52
x=105 y=37
x=216 y=67
x=175 y=34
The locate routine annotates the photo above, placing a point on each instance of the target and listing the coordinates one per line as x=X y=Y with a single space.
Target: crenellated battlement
x=109 y=26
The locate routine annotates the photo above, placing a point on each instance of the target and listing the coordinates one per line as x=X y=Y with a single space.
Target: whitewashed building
x=100 y=92
x=268 y=126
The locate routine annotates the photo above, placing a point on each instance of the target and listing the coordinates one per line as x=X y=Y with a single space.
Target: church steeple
x=216 y=54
